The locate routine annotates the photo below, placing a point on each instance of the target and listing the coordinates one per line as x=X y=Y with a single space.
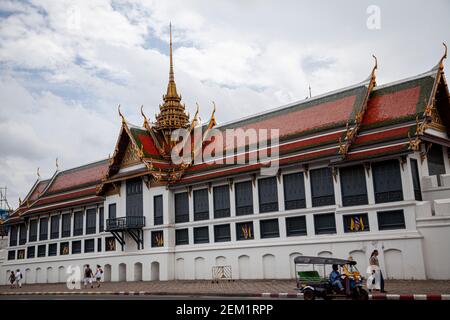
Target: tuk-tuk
x=315 y=285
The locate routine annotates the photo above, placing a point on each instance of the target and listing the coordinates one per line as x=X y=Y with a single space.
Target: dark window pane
x=356 y=222
x=110 y=244
x=244 y=198
x=134 y=198
x=269 y=228
x=268 y=194
x=101 y=220
x=221 y=201
x=222 y=233
x=22 y=234
x=52 y=249
x=157 y=239
x=33 y=230
x=158 y=210
x=201 y=235
x=435 y=159
x=99 y=245
x=91 y=218
x=296 y=226
x=64 y=248
x=201 y=205
x=11 y=255
x=387 y=181
x=112 y=211
x=416 y=180
x=353 y=186
x=294 y=191
x=43 y=229
x=41 y=250
x=89 y=245
x=54 y=227
x=78 y=223
x=76 y=247
x=325 y=223
x=322 y=189
x=66 y=225
x=181 y=207
x=181 y=236
x=244 y=231
x=390 y=220
x=13 y=235
x=31 y=252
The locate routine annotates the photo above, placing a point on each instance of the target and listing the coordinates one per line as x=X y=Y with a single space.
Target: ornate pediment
x=130 y=157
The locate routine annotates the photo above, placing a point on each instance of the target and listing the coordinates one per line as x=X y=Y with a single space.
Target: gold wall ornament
x=414 y=143
x=342 y=147
x=130 y=158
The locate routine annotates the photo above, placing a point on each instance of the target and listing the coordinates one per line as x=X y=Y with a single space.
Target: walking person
x=98 y=275
x=12 y=279
x=373 y=261
x=18 y=277
x=88 y=275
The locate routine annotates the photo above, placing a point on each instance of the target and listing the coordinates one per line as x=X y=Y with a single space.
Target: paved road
x=123 y=297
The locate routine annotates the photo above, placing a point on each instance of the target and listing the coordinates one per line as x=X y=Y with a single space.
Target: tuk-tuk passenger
x=335 y=278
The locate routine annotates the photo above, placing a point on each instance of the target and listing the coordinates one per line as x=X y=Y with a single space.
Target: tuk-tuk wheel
x=308 y=294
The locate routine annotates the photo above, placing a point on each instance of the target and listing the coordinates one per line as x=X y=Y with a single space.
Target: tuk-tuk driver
x=335 y=278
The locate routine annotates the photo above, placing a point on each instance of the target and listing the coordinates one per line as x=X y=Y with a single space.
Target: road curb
x=282 y=295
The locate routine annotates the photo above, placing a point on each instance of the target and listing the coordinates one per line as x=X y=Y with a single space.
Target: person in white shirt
x=18 y=278
x=98 y=275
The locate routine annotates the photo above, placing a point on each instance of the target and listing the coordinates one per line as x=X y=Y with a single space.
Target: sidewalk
x=237 y=287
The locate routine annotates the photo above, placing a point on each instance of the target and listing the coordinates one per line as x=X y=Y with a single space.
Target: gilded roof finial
x=441 y=62
x=121 y=115
x=143 y=115
x=56 y=163
x=375 y=67
x=38 y=174
x=171 y=75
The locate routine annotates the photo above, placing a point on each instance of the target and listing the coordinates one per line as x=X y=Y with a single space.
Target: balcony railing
x=124 y=223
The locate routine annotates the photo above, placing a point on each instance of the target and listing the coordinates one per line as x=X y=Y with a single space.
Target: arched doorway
x=269 y=266
x=62 y=277
x=362 y=261
x=38 y=276
x=154 y=271
x=50 y=276
x=107 y=273
x=199 y=266
x=28 y=276
x=292 y=256
x=393 y=260
x=122 y=272
x=138 y=271
x=244 y=267
x=221 y=261
x=179 y=269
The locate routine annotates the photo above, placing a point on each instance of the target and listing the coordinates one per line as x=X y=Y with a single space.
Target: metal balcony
x=132 y=225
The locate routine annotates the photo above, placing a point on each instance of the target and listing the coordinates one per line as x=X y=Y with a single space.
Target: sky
x=65 y=66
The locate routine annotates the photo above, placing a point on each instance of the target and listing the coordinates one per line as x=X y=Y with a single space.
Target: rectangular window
x=101 y=220
x=244 y=231
x=181 y=207
x=91 y=218
x=353 y=186
x=112 y=211
x=21 y=254
x=296 y=226
x=325 y=223
x=78 y=223
x=416 y=180
x=76 y=247
x=201 y=235
x=268 y=194
x=13 y=235
x=356 y=222
x=294 y=191
x=269 y=228
x=201 y=205
x=64 y=248
x=435 y=159
x=157 y=239
x=391 y=220
x=43 y=229
x=54 y=227
x=89 y=245
x=322 y=189
x=134 y=198
x=158 y=210
x=222 y=233
x=33 y=230
x=41 y=250
x=99 y=245
x=243 y=192
x=66 y=225
x=11 y=254
x=110 y=243
x=31 y=252
x=221 y=201
x=52 y=249
x=22 y=234
x=181 y=236
x=387 y=181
